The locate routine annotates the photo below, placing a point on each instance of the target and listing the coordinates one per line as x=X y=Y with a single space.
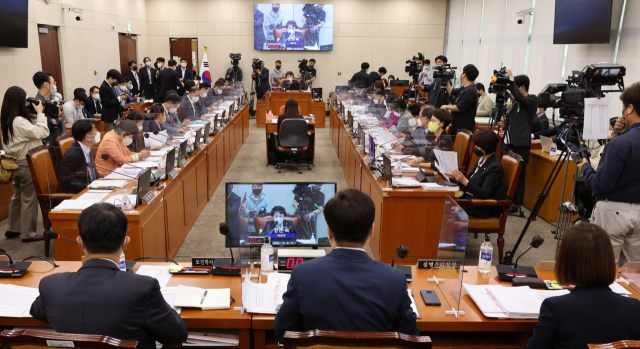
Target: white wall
x=85 y=47
x=381 y=32
x=504 y=41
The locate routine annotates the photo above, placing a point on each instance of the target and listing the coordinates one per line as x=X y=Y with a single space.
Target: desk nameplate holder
x=148 y=197
x=202 y=262
x=183 y=163
x=173 y=174
x=207 y=140
x=201 y=146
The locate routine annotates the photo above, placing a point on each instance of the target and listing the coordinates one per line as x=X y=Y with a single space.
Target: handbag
x=8 y=168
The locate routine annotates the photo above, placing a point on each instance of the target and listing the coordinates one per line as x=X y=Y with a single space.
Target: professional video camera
x=303 y=65
x=445 y=72
x=53 y=107
x=235 y=57
x=498 y=86
x=414 y=66
x=310 y=14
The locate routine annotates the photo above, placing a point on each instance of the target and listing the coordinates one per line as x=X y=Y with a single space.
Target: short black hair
x=522 y=80
x=480 y=86
x=631 y=95
x=196 y=77
x=444 y=116
x=81 y=129
x=94 y=88
x=289 y=73
x=156 y=109
x=39 y=78
x=135 y=115
x=350 y=215
x=278 y=209
x=471 y=71
x=79 y=90
x=188 y=84
x=192 y=89
x=278 y=61
x=414 y=109
x=312 y=60
x=145 y=59
x=114 y=74
x=358 y=84
x=204 y=85
x=382 y=70
x=379 y=92
x=486 y=140
x=132 y=62
x=442 y=58
x=82 y=97
x=103 y=228
x=400 y=103
x=170 y=92
x=160 y=59
x=364 y=66
x=183 y=59
x=172 y=62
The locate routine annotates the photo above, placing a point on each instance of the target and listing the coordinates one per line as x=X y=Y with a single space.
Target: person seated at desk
x=158 y=124
x=290 y=83
x=435 y=136
x=190 y=107
x=347 y=290
x=377 y=107
x=205 y=96
x=115 y=145
x=100 y=299
x=486 y=179
x=392 y=116
x=174 y=125
x=403 y=121
x=412 y=93
x=290 y=112
x=93 y=106
x=592 y=313
x=279 y=225
x=414 y=143
x=75 y=174
x=138 y=139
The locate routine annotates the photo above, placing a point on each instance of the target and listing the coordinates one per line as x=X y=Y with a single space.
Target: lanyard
x=518 y=107
x=634 y=128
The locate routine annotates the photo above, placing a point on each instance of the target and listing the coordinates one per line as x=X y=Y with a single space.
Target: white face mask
x=97 y=137
x=148 y=64
x=418 y=122
x=195 y=99
x=96 y=97
x=130 y=86
x=127 y=141
x=123 y=88
x=184 y=65
x=412 y=122
x=159 y=65
x=173 y=110
x=139 y=128
x=204 y=95
x=278 y=221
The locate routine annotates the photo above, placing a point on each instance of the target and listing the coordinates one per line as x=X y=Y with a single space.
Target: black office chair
x=293 y=138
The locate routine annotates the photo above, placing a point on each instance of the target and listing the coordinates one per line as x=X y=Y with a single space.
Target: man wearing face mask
x=277 y=75
x=256 y=202
x=218 y=89
x=291 y=84
x=74 y=109
x=46 y=86
x=93 y=106
x=310 y=208
x=184 y=73
x=115 y=143
x=435 y=137
x=74 y=173
x=464 y=111
x=377 y=107
x=616 y=183
x=159 y=66
x=174 y=125
x=147 y=80
x=280 y=228
x=274 y=19
x=426 y=76
x=123 y=90
x=261 y=78
x=134 y=78
x=485 y=105
x=206 y=98
x=109 y=99
x=190 y=107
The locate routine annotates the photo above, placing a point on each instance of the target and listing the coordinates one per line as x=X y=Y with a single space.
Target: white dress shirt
x=87 y=156
x=350 y=248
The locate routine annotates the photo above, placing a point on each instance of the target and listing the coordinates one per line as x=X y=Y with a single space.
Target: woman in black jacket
x=487 y=176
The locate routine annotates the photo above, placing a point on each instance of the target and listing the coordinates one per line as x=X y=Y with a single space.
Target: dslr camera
x=444 y=72
x=414 y=66
x=303 y=65
x=31 y=101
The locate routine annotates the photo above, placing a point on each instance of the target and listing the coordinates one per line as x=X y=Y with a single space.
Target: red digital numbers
x=292 y=262
x=255 y=240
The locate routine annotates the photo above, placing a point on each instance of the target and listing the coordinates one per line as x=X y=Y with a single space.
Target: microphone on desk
x=535 y=243
x=146 y=135
x=93 y=165
x=55 y=236
x=106 y=157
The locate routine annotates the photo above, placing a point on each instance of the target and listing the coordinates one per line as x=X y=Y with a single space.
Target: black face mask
x=135 y=67
x=113 y=84
x=257 y=192
x=275 y=9
x=278 y=67
x=478 y=152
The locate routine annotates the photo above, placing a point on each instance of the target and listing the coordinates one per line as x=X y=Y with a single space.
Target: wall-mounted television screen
x=290 y=214
x=295 y=27
x=14 y=16
x=582 y=22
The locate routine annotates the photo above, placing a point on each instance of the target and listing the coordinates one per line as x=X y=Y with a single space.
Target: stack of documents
x=447 y=161
x=169 y=295
x=408 y=182
x=212 y=338
x=437 y=186
x=264 y=298
x=108 y=183
x=158 y=272
x=82 y=202
x=210 y=299
x=497 y=301
x=16 y=300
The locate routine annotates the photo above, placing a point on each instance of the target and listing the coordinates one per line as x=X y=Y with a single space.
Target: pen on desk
x=203 y=297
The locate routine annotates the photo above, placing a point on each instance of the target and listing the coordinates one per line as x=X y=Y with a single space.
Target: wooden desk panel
x=538 y=171
x=212 y=166
x=261 y=112
x=274 y=100
x=320 y=111
x=6 y=192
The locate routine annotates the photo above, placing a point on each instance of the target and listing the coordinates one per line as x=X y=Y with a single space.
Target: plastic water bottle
x=397 y=170
x=266 y=256
x=122 y=265
x=486 y=253
x=127 y=205
x=554 y=150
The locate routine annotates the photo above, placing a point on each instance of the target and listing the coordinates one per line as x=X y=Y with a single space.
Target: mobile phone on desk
x=430 y=297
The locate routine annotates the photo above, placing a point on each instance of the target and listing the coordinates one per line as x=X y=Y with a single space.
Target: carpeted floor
x=249 y=166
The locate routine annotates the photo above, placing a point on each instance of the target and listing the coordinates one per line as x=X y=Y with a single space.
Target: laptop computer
x=546 y=143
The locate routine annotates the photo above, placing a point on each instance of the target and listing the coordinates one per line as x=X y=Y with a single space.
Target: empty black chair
x=293 y=139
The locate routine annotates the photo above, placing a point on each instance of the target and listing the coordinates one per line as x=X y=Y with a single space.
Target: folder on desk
x=209 y=299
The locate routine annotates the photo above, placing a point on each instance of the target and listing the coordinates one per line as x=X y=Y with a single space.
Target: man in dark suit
x=362 y=76
x=75 y=175
x=134 y=77
x=261 y=78
x=233 y=207
x=147 y=80
x=279 y=225
x=184 y=73
x=347 y=290
x=168 y=80
x=376 y=76
x=191 y=107
x=93 y=106
x=159 y=65
x=258 y=32
x=100 y=299
x=110 y=100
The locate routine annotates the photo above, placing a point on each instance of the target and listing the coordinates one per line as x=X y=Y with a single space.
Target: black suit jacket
x=262 y=81
x=586 y=316
x=188 y=73
x=74 y=175
x=100 y=299
x=485 y=183
x=93 y=107
x=363 y=77
x=147 y=88
x=375 y=76
x=167 y=81
x=346 y=291
x=110 y=103
x=136 y=88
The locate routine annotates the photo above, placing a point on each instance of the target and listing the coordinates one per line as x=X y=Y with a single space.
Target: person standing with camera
x=46 y=86
x=616 y=183
x=464 y=111
x=21 y=133
x=261 y=76
x=518 y=128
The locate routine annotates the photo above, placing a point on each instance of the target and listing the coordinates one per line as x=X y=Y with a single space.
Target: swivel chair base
x=292 y=164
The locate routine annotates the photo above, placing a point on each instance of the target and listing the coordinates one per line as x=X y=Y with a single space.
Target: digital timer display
x=287 y=263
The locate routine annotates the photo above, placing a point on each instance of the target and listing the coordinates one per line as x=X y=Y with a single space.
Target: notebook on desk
x=209 y=299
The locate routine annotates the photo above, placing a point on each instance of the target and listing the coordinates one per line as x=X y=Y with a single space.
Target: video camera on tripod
x=498 y=86
x=415 y=66
x=303 y=66
x=255 y=64
x=445 y=72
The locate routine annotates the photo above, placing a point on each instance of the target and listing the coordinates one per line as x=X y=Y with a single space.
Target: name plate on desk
x=173 y=174
x=201 y=146
x=438 y=263
x=202 y=262
x=148 y=197
x=184 y=163
x=207 y=140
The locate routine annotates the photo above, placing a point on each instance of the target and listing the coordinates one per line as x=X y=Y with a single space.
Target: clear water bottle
x=266 y=256
x=554 y=150
x=397 y=169
x=122 y=265
x=127 y=205
x=486 y=253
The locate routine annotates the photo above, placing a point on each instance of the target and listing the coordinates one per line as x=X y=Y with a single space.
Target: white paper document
x=118 y=199
x=72 y=205
x=497 y=301
x=159 y=153
x=264 y=298
x=447 y=160
x=108 y=183
x=212 y=338
x=413 y=304
x=209 y=299
x=169 y=295
x=92 y=197
x=160 y=273
x=596 y=118
x=404 y=182
x=16 y=300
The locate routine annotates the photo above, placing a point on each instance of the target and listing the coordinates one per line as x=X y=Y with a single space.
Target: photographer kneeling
x=616 y=183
